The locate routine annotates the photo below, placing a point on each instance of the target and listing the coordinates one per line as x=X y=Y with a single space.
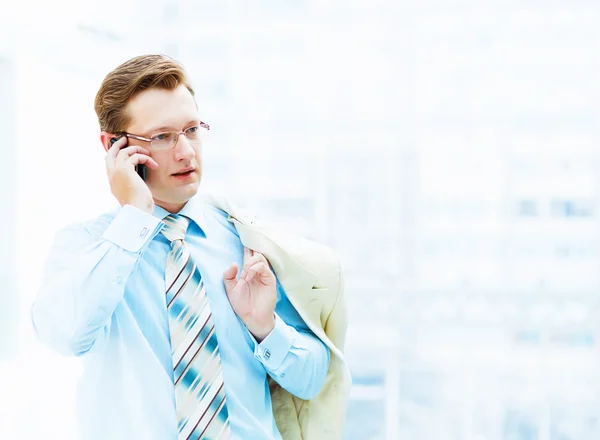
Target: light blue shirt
x=102 y=297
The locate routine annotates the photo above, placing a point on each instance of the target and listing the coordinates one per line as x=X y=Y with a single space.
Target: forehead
x=154 y=108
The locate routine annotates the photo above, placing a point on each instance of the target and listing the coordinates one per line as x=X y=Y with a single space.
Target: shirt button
x=119 y=279
x=267 y=354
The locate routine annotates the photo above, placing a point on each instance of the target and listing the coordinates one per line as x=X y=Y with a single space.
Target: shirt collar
x=194 y=209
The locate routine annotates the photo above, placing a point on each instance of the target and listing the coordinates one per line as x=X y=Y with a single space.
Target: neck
x=172 y=208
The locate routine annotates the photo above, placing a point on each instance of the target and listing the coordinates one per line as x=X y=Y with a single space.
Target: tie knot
x=175 y=227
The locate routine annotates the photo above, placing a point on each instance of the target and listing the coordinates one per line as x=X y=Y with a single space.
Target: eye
x=192 y=129
x=160 y=137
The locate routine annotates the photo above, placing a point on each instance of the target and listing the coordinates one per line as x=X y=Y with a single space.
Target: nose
x=183 y=150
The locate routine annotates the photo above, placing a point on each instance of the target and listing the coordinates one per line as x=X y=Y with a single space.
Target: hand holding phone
x=129 y=187
x=139 y=168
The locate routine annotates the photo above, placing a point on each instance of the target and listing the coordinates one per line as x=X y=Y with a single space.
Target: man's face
x=155 y=111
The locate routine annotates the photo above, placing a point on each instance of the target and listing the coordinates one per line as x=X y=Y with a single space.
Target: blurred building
x=450 y=155
x=8 y=200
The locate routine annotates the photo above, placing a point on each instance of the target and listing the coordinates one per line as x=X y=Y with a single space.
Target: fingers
x=249 y=253
x=229 y=277
x=258 y=272
x=118 y=154
x=247 y=256
x=253 y=260
x=127 y=152
x=138 y=158
x=255 y=266
x=113 y=151
x=249 y=262
x=231 y=271
x=132 y=155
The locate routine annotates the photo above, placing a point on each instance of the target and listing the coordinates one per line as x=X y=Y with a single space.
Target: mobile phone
x=140 y=169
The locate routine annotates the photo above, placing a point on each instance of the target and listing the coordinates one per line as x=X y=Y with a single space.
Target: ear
x=105 y=138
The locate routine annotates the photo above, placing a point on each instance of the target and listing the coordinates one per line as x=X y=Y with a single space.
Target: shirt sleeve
x=84 y=280
x=292 y=355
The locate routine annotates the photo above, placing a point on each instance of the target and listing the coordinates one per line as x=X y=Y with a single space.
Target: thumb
x=229 y=277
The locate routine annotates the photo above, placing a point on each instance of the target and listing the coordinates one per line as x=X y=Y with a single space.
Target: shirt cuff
x=132 y=228
x=275 y=347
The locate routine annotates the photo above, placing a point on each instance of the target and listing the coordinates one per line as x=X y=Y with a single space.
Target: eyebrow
x=170 y=128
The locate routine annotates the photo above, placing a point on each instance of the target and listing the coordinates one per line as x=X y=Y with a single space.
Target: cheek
x=163 y=163
x=198 y=151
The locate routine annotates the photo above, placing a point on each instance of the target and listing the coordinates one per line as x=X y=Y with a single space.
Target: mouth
x=184 y=172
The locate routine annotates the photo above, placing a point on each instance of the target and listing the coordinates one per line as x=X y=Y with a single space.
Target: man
x=177 y=341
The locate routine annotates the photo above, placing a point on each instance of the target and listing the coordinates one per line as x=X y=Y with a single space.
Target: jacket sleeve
x=84 y=280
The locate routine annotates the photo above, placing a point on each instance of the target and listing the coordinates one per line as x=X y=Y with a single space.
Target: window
x=527 y=208
x=572 y=208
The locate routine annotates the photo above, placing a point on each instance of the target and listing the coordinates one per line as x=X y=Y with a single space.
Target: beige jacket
x=311 y=277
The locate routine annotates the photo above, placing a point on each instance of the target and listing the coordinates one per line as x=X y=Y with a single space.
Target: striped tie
x=199 y=393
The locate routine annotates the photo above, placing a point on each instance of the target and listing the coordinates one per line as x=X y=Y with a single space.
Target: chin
x=182 y=195
x=178 y=195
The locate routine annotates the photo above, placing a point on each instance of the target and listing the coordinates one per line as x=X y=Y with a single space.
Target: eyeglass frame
x=179 y=133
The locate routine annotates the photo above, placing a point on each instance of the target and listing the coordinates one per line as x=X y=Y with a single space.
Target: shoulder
x=318 y=258
x=213 y=211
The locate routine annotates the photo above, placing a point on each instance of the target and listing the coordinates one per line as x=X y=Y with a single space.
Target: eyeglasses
x=168 y=139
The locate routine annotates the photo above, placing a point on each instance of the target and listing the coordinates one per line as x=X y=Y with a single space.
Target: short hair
x=129 y=79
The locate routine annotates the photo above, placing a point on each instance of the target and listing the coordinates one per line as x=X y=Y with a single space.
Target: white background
x=447 y=149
